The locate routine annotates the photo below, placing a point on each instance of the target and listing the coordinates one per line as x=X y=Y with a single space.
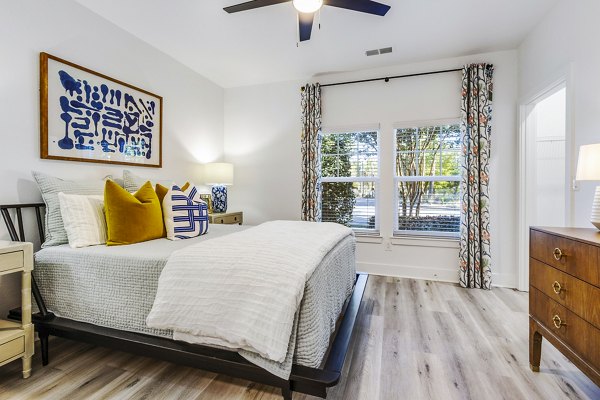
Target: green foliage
x=338 y=198
x=427 y=151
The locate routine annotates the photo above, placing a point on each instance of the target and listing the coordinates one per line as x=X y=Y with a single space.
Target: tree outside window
x=350 y=168
x=427 y=176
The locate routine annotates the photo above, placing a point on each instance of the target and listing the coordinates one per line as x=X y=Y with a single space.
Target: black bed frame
x=313 y=381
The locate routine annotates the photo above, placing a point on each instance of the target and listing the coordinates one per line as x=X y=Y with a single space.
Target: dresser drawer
x=12 y=349
x=574 y=294
x=576 y=333
x=571 y=256
x=232 y=219
x=10 y=261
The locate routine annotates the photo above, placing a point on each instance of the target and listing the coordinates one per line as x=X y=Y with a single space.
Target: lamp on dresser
x=219 y=176
x=588 y=169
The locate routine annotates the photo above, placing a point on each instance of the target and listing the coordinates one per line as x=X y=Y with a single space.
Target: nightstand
x=236 y=217
x=16 y=339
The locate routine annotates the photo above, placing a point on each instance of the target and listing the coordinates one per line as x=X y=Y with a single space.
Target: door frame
x=561 y=79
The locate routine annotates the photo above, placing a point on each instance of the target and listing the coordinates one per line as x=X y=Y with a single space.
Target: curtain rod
x=388 y=78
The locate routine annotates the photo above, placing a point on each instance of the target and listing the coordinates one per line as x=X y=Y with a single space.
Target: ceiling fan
x=307 y=9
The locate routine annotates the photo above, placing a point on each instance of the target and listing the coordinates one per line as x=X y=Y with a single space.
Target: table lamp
x=588 y=169
x=219 y=176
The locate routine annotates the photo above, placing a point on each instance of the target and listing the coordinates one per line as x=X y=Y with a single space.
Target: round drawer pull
x=557 y=287
x=557 y=322
x=558 y=254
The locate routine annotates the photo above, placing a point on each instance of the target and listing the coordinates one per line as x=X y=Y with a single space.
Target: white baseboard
x=407 y=271
x=432 y=274
x=504 y=280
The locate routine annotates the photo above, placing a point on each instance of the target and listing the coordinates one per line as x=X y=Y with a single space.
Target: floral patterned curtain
x=311 y=160
x=476 y=128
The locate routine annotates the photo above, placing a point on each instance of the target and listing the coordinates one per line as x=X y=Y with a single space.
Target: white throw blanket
x=241 y=291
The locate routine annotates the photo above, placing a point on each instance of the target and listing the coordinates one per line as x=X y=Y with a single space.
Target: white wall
x=193 y=106
x=565 y=44
x=262 y=139
x=550 y=115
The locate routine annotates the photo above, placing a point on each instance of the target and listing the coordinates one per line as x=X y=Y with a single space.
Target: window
x=427 y=180
x=350 y=174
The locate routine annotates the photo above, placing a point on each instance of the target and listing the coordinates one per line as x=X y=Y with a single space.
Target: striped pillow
x=186 y=215
x=193 y=193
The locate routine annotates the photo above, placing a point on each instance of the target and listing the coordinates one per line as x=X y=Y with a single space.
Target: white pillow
x=185 y=214
x=84 y=219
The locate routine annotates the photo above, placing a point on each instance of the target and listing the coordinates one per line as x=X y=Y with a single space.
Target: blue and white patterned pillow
x=194 y=194
x=186 y=215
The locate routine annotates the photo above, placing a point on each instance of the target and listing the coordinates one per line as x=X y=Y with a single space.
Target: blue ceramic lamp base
x=219 y=199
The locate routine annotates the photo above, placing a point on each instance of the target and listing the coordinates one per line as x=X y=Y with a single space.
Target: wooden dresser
x=564 y=296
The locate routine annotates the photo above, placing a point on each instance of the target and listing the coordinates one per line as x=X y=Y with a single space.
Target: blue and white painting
x=93 y=118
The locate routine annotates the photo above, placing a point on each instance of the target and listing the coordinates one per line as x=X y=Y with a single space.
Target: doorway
x=548 y=183
x=545 y=194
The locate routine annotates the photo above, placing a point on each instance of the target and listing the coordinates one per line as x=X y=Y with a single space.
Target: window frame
x=396 y=233
x=375 y=179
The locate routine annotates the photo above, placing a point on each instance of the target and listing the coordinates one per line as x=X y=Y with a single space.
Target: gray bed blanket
x=115 y=287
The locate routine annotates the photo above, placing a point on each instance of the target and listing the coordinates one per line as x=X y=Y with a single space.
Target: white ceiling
x=259 y=46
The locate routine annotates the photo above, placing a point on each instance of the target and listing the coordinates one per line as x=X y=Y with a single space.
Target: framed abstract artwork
x=88 y=116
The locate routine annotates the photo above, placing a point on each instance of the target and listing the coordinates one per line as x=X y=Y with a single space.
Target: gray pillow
x=50 y=186
x=117 y=180
x=132 y=182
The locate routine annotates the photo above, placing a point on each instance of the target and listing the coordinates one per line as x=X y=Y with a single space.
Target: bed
x=102 y=295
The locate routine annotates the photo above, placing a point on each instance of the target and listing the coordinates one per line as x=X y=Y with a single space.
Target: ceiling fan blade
x=365 y=6
x=249 y=5
x=305 y=24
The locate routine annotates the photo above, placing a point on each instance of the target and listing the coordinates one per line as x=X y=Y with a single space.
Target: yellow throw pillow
x=161 y=192
x=132 y=218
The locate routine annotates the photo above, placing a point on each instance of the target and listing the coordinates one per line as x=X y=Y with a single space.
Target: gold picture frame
x=208 y=199
x=90 y=117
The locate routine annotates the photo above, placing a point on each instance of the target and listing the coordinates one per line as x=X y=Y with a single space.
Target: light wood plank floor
x=415 y=340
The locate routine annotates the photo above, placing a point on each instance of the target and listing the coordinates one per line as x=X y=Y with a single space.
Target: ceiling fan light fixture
x=307 y=6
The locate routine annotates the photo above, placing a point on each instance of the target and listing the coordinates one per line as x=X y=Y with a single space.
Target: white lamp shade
x=218 y=173
x=588 y=165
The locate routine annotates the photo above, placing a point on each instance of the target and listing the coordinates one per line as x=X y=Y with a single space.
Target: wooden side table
x=16 y=339
x=236 y=217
